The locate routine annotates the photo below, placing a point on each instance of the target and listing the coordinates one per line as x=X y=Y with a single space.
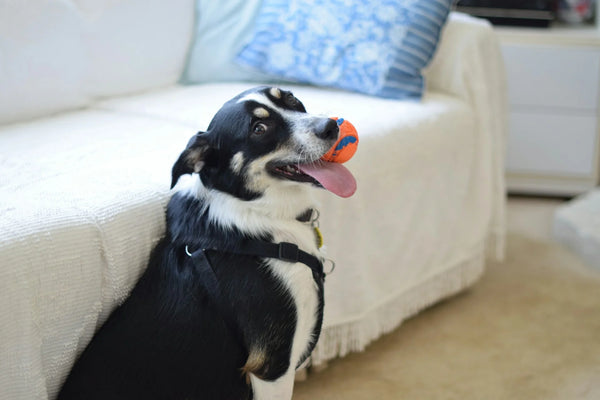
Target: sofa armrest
x=466 y=43
x=468 y=64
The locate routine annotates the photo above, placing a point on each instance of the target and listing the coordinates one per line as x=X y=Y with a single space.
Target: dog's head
x=261 y=140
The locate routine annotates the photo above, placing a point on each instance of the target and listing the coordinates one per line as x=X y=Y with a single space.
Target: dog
x=231 y=303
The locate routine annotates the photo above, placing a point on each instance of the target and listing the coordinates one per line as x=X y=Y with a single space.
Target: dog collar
x=306 y=217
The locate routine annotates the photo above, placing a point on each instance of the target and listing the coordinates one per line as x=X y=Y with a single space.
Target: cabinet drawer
x=555 y=144
x=552 y=76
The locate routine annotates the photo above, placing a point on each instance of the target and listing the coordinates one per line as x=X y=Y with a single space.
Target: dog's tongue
x=332 y=176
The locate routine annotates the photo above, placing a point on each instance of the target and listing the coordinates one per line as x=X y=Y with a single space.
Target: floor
x=530 y=329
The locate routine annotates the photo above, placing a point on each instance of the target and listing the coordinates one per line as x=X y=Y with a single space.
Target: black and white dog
x=232 y=300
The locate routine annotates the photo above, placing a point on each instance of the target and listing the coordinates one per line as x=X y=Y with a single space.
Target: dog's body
x=176 y=337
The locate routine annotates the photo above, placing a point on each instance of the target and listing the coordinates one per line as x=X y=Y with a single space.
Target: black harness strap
x=283 y=251
x=213 y=290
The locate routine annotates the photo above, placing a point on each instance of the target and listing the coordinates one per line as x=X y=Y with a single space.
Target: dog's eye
x=291 y=100
x=259 y=128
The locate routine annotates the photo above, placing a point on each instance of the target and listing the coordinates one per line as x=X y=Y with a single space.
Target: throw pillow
x=222 y=28
x=378 y=47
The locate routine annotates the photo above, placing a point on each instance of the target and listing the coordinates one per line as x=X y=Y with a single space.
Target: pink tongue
x=333 y=176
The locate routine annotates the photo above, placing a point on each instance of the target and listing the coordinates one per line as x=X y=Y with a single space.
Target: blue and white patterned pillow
x=378 y=47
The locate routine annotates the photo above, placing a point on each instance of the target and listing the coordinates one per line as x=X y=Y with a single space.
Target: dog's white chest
x=298 y=279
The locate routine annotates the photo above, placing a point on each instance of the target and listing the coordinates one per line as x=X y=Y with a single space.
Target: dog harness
x=283 y=251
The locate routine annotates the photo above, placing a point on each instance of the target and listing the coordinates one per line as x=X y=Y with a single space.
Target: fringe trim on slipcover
x=339 y=340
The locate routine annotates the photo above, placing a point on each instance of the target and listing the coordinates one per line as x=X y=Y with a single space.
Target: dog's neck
x=274 y=210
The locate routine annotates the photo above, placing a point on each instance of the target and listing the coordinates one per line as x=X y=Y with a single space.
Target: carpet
x=530 y=329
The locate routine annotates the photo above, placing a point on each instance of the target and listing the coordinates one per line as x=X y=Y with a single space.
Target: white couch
x=93 y=117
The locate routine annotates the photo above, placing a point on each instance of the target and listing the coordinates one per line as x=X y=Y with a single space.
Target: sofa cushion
x=42 y=65
x=60 y=55
x=135 y=45
x=195 y=105
x=82 y=200
x=374 y=47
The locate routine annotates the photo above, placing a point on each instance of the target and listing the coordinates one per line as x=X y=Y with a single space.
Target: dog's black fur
x=169 y=340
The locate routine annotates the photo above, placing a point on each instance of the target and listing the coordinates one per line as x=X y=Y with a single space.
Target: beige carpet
x=530 y=329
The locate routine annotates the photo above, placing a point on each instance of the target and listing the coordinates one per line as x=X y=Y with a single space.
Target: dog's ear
x=192 y=158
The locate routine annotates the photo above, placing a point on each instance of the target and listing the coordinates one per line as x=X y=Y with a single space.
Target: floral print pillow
x=377 y=47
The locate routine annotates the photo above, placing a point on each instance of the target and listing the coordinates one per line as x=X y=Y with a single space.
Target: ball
x=346 y=145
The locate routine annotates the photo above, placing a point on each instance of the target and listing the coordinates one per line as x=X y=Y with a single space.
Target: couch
x=92 y=117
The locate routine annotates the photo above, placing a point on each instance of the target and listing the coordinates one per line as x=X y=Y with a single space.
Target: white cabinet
x=553 y=87
x=552 y=144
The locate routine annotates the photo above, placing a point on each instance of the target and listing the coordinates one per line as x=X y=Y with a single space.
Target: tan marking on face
x=261 y=112
x=275 y=92
x=257 y=178
x=237 y=162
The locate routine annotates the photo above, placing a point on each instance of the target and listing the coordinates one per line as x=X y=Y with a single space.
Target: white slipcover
x=82 y=198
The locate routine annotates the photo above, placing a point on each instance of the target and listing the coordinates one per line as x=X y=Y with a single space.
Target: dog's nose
x=327 y=128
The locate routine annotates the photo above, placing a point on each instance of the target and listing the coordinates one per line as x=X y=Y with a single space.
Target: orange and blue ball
x=346 y=145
